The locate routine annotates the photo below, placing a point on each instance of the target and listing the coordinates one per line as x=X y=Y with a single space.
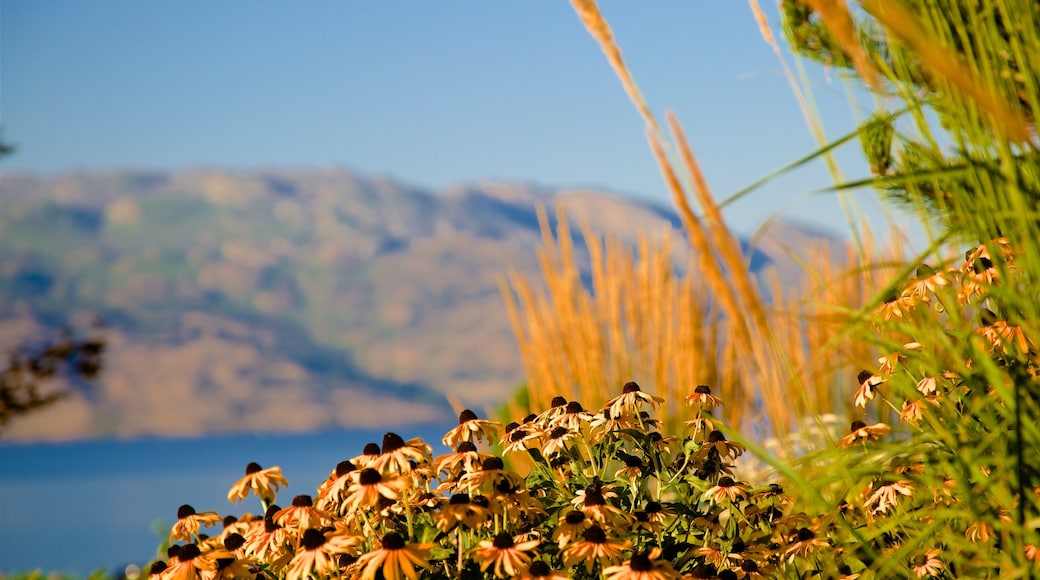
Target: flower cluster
x=958 y=375
x=567 y=492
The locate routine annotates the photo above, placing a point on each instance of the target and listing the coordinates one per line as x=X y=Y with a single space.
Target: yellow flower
x=188 y=523
x=593 y=547
x=703 y=399
x=395 y=558
x=397 y=455
x=860 y=432
x=461 y=509
x=867 y=383
x=262 y=482
x=539 y=570
x=312 y=558
x=571 y=526
x=804 y=543
x=643 y=566
x=927 y=564
x=190 y=565
x=887 y=496
x=630 y=399
x=301 y=515
x=369 y=486
x=508 y=556
x=726 y=489
x=471 y=429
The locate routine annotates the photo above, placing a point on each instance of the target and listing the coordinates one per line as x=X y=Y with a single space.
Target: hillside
x=277 y=300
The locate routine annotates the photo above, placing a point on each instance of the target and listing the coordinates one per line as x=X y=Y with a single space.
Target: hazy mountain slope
x=277 y=300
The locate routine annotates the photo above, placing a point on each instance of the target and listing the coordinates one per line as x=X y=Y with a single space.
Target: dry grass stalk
x=836 y=16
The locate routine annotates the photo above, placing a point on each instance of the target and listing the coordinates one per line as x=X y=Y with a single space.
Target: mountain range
x=285 y=300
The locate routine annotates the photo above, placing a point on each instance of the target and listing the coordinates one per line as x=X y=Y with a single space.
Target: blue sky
x=432 y=93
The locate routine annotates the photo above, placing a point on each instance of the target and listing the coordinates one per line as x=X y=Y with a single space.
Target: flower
x=313 y=558
x=520 y=438
x=461 y=509
x=190 y=564
x=332 y=490
x=397 y=455
x=630 y=399
x=927 y=564
x=860 y=432
x=301 y=515
x=369 y=486
x=887 y=496
x=556 y=408
x=188 y=523
x=262 y=482
x=466 y=459
x=557 y=442
x=593 y=547
x=912 y=412
x=643 y=566
x=271 y=543
x=727 y=490
x=570 y=526
x=395 y=558
x=508 y=555
x=717 y=448
x=471 y=429
x=593 y=502
x=703 y=398
x=979 y=532
x=804 y=543
x=867 y=383
x=492 y=472
x=368 y=455
x=574 y=417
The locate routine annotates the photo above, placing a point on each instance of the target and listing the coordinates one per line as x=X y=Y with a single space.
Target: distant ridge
x=283 y=300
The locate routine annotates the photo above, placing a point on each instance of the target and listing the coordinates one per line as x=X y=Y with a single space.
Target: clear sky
x=432 y=93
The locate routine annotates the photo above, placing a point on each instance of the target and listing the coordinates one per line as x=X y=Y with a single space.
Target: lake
x=82 y=506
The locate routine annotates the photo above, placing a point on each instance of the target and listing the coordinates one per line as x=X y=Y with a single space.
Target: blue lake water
x=78 y=507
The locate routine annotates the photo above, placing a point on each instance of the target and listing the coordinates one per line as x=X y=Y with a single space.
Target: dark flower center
x=539 y=569
x=346 y=560
x=805 y=534
x=511 y=425
x=558 y=432
x=223 y=563
x=726 y=481
x=269 y=514
x=270 y=525
x=920 y=560
x=738 y=547
x=467 y=416
x=630 y=387
x=530 y=418
x=857 y=425
x=392 y=442
x=480 y=500
x=302 y=501
x=595 y=535
x=344 y=467
x=459 y=499
x=716 y=437
x=640 y=563
x=253 y=468
x=466 y=447
x=393 y=541
x=702 y=390
x=492 y=464
x=653 y=507
x=656 y=437
x=558 y=401
x=234 y=541
x=642 y=516
x=228 y=520
x=727 y=575
x=593 y=496
x=633 y=461
x=574 y=517
x=371 y=449
x=173 y=550
x=188 y=552
x=158 y=567
x=185 y=511
x=776 y=489
x=369 y=476
x=517 y=435
x=749 y=566
x=574 y=407
x=505 y=487
x=863 y=376
x=312 y=539
x=503 y=541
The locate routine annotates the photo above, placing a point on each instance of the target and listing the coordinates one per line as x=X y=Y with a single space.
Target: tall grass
x=954 y=490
